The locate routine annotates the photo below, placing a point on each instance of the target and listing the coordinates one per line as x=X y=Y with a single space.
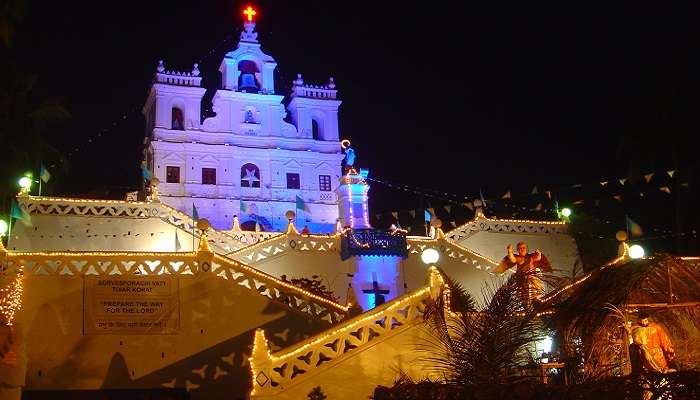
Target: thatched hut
x=590 y=314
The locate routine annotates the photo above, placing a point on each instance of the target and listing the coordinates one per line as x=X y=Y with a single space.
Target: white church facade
x=248 y=160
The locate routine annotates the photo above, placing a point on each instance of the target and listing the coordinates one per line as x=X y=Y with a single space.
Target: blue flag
x=195 y=214
x=18 y=212
x=301 y=205
x=145 y=172
x=44 y=173
x=428 y=216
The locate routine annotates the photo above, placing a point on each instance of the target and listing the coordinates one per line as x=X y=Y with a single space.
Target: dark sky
x=450 y=96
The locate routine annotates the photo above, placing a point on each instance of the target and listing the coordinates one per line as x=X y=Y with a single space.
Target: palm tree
x=479 y=351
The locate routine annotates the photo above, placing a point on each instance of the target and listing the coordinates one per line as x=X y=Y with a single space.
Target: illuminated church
x=141 y=297
x=254 y=157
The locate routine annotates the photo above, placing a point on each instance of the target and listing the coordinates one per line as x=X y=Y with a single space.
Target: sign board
x=131 y=305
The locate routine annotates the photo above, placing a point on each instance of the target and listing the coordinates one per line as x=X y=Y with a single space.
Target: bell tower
x=248 y=69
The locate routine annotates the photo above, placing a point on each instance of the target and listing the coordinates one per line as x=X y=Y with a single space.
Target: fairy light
x=11 y=299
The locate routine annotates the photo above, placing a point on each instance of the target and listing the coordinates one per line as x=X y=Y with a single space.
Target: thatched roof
x=634 y=283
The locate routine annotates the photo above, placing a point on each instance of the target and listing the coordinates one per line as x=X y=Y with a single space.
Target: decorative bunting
x=622 y=181
x=395 y=214
x=412 y=212
x=671 y=172
x=577 y=202
x=576 y=185
x=469 y=205
x=648 y=177
x=603 y=183
x=454 y=224
x=549 y=194
x=618 y=197
x=539 y=207
x=448 y=208
x=506 y=196
x=665 y=189
x=534 y=190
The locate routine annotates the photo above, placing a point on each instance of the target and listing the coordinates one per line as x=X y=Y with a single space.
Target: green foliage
x=482 y=349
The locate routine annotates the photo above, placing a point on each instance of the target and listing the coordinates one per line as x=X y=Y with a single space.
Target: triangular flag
x=395 y=214
x=257 y=226
x=603 y=183
x=412 y=212
x=622 y=181
x=454 y=224
x=19 y=213
x=469 y=205
x=195 y=214
x=618 y=197
x=684 y=184
x=577 y=202
x=648 y=177
x=633 y=228
x=481 y=196
x=178 y=246
x=534 y=190
x=671 y=172
x=379 y=216
x=448 y=208
x=44 y=173
x=244 y=207
x=432 y=210
x=428 y=216
x=665 y=189
x=506 y=196
x=549 y=194
x=539 y=207
x=641 y=194
x=577 y=185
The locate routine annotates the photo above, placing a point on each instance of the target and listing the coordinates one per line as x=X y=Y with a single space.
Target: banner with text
x=131 y=305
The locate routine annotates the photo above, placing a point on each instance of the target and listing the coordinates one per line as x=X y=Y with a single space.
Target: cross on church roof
x=249 y=13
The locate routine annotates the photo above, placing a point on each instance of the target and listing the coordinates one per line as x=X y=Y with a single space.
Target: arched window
x=250 y=175
x=177 y=119
x=316 y=130
x=247 y=78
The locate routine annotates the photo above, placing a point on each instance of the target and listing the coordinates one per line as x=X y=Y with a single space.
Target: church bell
x=248 y=83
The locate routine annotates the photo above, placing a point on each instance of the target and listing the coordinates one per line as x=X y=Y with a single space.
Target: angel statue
x=530 y=266
x=349 y=157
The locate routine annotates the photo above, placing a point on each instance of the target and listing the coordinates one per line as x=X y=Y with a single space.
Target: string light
x=11 y=299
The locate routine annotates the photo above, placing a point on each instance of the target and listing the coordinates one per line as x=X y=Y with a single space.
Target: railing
x=373 y=242
x=451 y=250
x=147 y=263
x=275 y=372
x=282 y=244
x=225 y=241
x=482 y=223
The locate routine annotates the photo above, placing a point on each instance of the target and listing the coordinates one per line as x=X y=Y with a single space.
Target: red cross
x=249 y=12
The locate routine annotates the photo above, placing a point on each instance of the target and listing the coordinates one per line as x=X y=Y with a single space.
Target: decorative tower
x=376 y=253
x=352 y=200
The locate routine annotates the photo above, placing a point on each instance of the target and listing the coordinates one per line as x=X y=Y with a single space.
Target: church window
x=324 y=183
x=208 y=176
x=315 y=130
x=172 y=174
x=250 y=176
x=293 y=181
x=177 y=119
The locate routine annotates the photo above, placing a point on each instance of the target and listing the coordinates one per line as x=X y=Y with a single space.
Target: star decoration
x=250 y=176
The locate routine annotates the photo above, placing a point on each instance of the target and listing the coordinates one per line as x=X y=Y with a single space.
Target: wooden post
x=670 y=287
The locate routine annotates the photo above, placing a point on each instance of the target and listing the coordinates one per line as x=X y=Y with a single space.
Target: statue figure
x=651 y=349
x=349 y=157
x=530 y=266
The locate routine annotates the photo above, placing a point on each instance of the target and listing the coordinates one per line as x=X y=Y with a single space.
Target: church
x=198 y=291
x=254 y=158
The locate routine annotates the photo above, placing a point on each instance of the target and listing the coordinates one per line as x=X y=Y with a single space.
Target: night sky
x=451 y=97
